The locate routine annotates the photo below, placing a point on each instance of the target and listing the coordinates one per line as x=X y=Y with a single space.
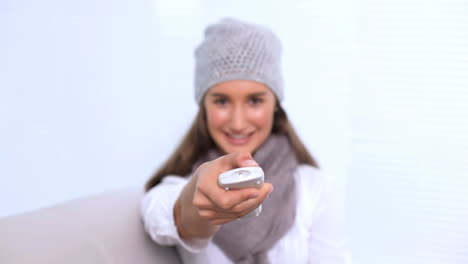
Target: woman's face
x=239 y=114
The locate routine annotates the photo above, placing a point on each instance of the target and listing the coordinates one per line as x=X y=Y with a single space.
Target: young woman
x=241 y=123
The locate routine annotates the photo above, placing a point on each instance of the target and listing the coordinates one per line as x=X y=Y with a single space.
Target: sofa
x=103 y=228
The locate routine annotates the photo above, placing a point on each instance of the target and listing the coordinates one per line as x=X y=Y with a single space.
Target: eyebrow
x=224 y=95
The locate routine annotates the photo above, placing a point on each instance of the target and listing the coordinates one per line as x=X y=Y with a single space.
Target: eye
x=220 y=101
x=255 y=100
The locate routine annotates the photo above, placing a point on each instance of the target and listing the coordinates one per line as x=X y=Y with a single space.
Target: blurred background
x=94 y=96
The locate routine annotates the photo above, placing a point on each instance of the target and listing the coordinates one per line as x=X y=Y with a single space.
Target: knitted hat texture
x=237 y=50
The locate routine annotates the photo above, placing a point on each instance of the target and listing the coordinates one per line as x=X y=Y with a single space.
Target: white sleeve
x=157 y=211
x=327 y=233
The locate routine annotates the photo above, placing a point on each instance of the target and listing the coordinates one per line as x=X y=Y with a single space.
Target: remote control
x=244 y=177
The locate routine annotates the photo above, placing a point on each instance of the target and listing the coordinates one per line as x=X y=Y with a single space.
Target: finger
x=228 y=199
x=201 y=201
x=209 y=214
x=222 y=221
x=218 y=218
x=240 y=209
x=251 y=204
x=237 y=160
x=213 y=215
x=225 y=200
x=214 y=196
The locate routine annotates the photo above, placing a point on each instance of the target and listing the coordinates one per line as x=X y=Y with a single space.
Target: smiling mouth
x=238 y=139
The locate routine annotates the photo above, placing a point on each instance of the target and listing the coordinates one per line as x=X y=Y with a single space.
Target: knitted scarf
x=248 y=240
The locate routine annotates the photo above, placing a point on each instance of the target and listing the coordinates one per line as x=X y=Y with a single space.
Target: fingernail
x=249 y=162
x=271 y=189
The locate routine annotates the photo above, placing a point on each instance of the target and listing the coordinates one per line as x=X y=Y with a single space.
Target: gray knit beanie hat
x=236 y=50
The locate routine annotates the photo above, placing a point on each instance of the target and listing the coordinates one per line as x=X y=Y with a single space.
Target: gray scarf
x=248 y=240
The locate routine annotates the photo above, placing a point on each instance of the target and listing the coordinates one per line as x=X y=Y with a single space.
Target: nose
x=239 y=120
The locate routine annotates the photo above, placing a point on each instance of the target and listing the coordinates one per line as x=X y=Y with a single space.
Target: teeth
x=238 y=136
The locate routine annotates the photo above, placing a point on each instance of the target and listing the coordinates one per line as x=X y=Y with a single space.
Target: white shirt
x=317 y=235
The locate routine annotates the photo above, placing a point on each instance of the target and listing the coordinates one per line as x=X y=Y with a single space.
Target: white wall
x=408 y=181
x=94 y=95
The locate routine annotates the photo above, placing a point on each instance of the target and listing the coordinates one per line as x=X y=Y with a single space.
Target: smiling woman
x=239 y=115
x=240 y=123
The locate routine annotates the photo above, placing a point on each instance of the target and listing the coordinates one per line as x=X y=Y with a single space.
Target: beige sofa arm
x=104 y=228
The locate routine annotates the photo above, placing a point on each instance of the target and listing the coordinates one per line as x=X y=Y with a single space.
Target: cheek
x=215 y=117
x=263 y=118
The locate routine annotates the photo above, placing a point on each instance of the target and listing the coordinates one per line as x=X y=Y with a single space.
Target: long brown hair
x=197 y=142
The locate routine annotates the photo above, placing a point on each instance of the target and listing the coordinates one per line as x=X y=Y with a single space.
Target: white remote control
x=245 y=177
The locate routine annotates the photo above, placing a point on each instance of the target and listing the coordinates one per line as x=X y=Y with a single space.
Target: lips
x=238 y=139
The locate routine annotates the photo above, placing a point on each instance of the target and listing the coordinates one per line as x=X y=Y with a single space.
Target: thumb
x=239 y=159
x=246 y=160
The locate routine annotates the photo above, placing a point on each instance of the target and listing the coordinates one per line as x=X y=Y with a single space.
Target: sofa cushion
x=104 y=228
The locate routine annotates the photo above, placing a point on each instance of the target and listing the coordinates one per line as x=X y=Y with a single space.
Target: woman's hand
x=203 y=205
x=217 y=205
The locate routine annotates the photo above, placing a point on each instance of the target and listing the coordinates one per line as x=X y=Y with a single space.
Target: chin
x=238 y=149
